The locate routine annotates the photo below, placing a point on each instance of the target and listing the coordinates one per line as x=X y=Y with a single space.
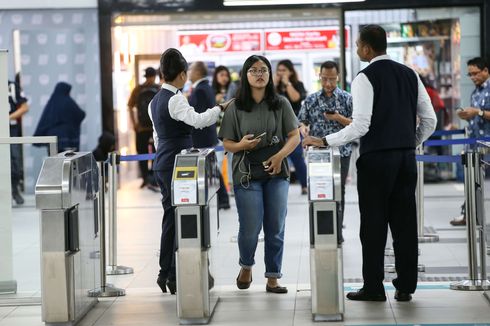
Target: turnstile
x=195 y=182
x=324 y=195
x=67 y=194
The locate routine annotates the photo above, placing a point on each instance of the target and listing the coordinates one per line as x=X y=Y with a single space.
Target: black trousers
x=344 y=171
x=223 y=198
x=15 y=160
x=142 y=142
x=167 y=241
x=386 y=187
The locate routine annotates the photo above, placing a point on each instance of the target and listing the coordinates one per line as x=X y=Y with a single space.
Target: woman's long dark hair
x=244 y=100
x=172 y=63
x=217 y=87
x=289 y=65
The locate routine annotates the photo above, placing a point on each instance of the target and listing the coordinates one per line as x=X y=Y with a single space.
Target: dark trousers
x=142 y=142
x=299 y=164
x=386 y=187
x=15 y=159
x=223 y=198
x=344 y=171
x=167 y=241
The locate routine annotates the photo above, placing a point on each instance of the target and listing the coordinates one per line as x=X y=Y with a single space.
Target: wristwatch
x=324 y=140
x=481 y=113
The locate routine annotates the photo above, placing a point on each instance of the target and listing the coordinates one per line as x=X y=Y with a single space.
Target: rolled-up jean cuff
x=273 y=275
x=245 y=266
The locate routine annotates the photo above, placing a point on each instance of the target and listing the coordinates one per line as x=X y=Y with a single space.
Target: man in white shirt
x=387 y=99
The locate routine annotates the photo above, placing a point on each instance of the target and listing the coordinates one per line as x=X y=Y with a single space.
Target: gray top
x=238 y=123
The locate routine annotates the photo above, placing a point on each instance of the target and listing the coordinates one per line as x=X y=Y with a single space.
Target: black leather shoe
x=18 y=198
x=276 y=289
x=362 y=295
x=172 y=286
x=162 y=284
x=224 y=206
x=402 y=296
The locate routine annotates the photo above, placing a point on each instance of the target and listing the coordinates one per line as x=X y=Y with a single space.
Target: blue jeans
x=299 y=164
x=264 y=203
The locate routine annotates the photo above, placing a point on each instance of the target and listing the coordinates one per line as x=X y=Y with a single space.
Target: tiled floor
x=139 y=222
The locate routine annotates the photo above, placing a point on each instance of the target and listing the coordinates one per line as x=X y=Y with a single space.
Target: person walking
x=18 y=107
x=388 y=97
x=477 y=116
x=261 y=130
x=289 y=86
x=173 y=120
x=138 y=102
x=201 y=98
x=325 y=112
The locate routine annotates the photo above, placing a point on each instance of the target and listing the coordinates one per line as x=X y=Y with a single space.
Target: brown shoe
x=241 y=284
x=458 y=221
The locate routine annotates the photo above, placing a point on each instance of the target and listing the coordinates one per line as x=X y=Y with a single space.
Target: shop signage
x=220 y=41
x=304 y=39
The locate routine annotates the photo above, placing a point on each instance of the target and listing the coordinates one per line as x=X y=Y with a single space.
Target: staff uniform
x=173 y=120
x=387 y=98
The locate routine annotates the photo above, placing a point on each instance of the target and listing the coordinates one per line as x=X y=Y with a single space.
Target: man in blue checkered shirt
x=325 y=112
x=477 y=115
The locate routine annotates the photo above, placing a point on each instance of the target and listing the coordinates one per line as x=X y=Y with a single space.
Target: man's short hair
x=330 y=65
x=479 y=62
x=374 y=36
x=201 y=68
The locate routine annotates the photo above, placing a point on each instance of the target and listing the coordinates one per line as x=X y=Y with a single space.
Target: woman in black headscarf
x=62 y=117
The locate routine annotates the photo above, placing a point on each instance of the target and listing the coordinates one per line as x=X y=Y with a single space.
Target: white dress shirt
x=180 y=110
x=362 y=111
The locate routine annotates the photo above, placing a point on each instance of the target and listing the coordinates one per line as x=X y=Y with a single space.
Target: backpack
x=144 y=98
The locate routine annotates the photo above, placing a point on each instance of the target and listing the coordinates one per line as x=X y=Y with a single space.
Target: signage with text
x=304 y=39
x=191 y=43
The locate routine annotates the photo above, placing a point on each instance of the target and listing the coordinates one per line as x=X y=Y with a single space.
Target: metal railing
x=10 y=286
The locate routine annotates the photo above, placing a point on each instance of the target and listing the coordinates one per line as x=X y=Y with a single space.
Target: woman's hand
x=220 y=97
x=274 y=164
x=248 y=142
x=285 y=79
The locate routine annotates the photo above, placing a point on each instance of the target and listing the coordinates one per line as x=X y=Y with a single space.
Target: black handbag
x=254 y=159
x=255 y=162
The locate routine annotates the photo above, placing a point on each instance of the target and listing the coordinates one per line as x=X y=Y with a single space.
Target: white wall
x=37 y=4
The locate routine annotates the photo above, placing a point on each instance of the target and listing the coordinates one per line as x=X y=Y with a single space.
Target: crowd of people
x=264 y=120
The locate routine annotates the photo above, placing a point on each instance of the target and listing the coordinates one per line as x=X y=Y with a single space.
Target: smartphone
x=260 y=136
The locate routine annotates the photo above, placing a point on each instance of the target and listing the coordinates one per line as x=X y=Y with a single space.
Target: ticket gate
x=324 y=196
x=195 y=182
x=67 y=193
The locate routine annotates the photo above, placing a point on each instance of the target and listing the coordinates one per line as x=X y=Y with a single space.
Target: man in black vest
x=387 y=99
x=201 y=98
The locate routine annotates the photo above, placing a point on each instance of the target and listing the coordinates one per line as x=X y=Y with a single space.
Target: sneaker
x=458 y=221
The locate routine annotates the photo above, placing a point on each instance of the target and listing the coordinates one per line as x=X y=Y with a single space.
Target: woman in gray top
x=261 y=129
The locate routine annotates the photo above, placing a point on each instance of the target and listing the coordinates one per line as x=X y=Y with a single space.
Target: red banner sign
x=205 y=42
x=303 y=39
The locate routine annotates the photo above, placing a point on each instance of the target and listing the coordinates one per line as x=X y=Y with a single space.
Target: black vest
x=393 y=121
x=173 y=136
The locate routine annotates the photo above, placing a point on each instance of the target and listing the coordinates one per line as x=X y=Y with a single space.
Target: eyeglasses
x=473 y=73
x=326 y=79
x=258 y=72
